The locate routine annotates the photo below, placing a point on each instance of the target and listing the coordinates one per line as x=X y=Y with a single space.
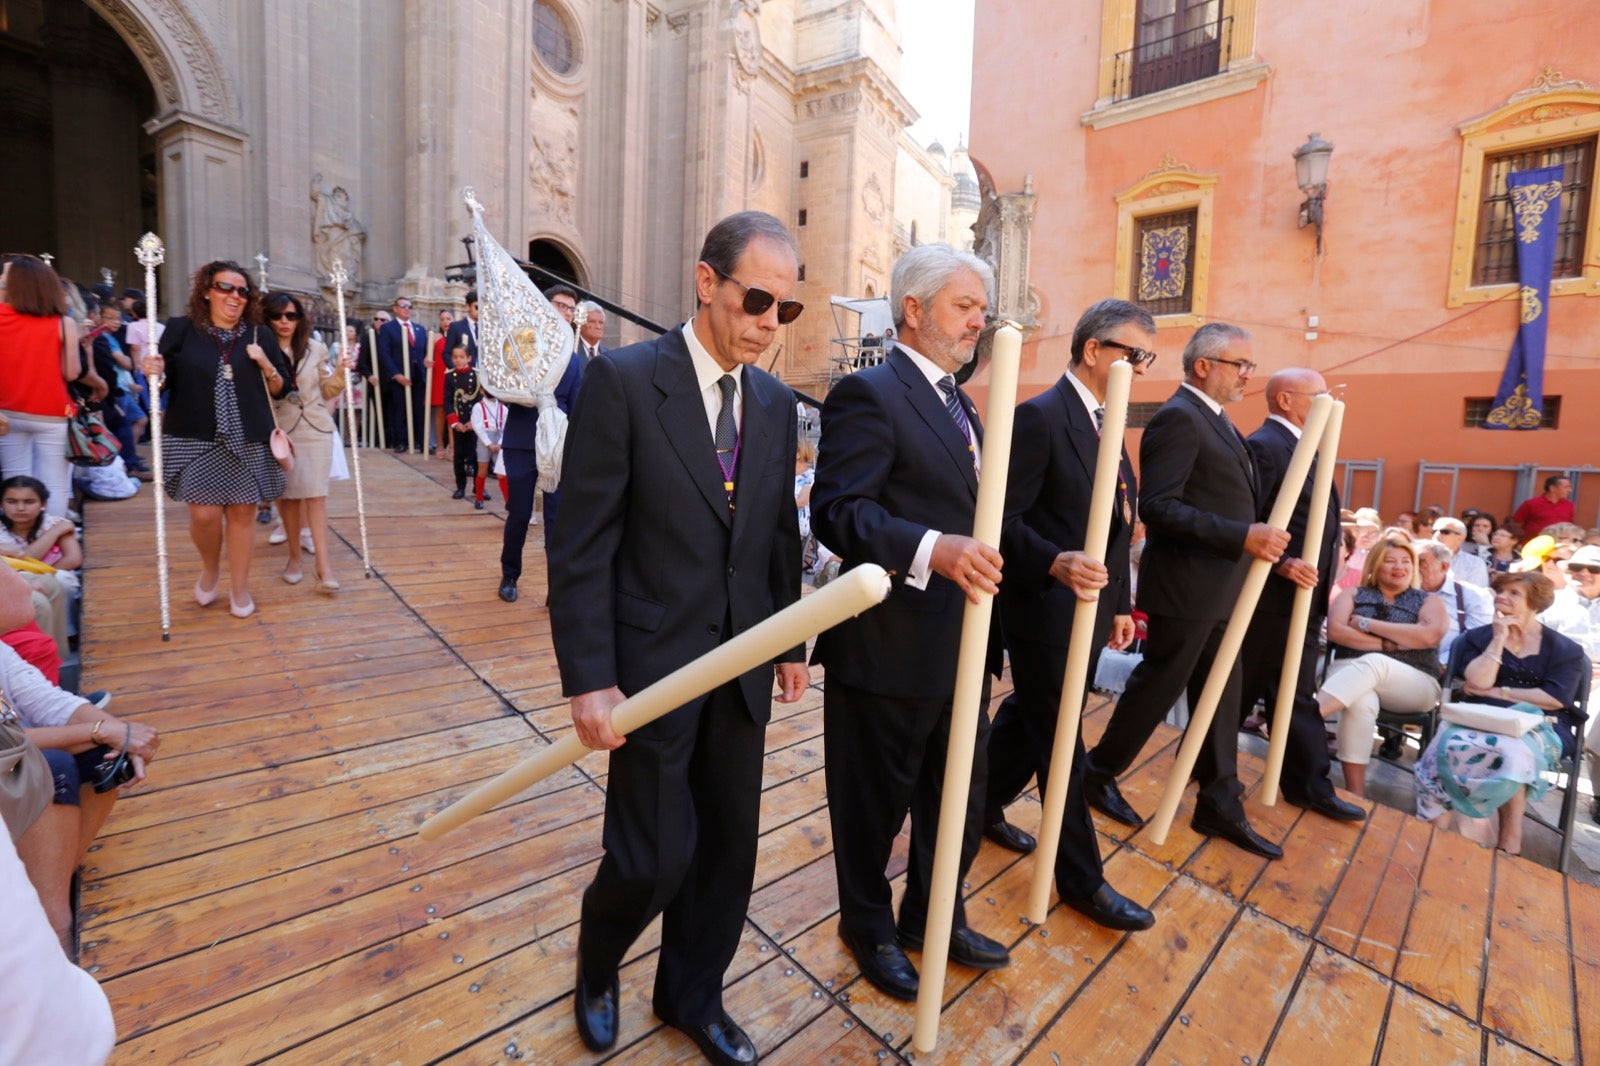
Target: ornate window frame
x=1171 y=186
x=1119 y=23
x=570 y=84
x=1549 y=111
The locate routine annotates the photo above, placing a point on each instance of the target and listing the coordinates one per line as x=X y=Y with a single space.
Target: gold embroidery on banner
x=1531 y=307
x=1530 y=202
x=1163 y=263
x=1517 y=412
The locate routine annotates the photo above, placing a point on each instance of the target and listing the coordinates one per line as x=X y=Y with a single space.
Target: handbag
x=26 y=787
x=89 y=442
x=1488 y=718
x=282 y=447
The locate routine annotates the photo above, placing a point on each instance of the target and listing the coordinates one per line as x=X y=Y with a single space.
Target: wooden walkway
x=264 y=895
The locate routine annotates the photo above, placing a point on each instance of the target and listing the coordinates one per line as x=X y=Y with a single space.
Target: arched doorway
x=81 y=182
x=546 y=253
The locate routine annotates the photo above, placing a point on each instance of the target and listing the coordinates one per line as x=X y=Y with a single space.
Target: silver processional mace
x=151 y=253
x=338 y=277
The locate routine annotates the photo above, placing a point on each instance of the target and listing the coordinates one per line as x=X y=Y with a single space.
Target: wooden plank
x=831 y=1039
x=1232 y=1013
x=1443 y=957
x=1583 y=907
x=1346 y=916
x=1297 y=888
x=1335 y=1013
x=1422 y=1033
x=1391 y=909
x=1527 y=992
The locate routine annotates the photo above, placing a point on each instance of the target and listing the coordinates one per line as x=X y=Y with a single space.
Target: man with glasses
x=519 y=448
x=897 y=485
x=1054 y=451
x=678 y=532
x=402 y=355
x=1576 y=614
x=1452 y=533
x=1305 y=765
x=1200 y=507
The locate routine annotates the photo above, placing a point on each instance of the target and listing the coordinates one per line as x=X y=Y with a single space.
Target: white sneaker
x=306 y=543
x=534 y=520
x=278 y=536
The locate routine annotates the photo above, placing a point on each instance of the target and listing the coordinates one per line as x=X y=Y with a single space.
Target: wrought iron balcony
x=1184 y=57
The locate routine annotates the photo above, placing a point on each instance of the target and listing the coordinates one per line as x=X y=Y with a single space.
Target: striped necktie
x=952 y=404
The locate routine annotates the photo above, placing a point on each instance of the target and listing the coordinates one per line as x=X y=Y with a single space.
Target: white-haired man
x=591 y=319
x=1576 y=614
x=1452 y=533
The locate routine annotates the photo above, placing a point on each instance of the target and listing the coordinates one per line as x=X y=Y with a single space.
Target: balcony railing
x=1184 y=57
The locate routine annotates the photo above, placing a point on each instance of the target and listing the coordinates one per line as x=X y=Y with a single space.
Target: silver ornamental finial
x=337 y=275
x=108 y=276
x=150 y=251
x=261 y=273
x=47 y=257
x=469 y=196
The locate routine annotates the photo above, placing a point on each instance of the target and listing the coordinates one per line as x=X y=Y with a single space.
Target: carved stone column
x=1004 y=229
x=202 y=188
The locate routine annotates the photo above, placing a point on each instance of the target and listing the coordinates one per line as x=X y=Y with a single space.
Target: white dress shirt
x=918 y=573
x=707 y=372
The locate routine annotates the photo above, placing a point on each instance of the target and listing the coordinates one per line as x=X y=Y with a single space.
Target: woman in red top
x=38 y=356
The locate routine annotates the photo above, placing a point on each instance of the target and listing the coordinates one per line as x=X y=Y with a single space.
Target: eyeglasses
x=228 y=288
x=1582 y=568
x=1245 y=366
x=402 y=307
x=289 y=316
x=757 y=301
x=1136 y=356
x=564 y=305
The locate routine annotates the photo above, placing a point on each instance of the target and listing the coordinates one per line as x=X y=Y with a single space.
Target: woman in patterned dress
x=1484 y=777
x=221 y=381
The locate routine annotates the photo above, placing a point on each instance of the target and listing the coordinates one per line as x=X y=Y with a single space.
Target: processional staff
x=1300 y=612
x=1070 y=712
x=1200 y=715
x=151 y=253
x=339 y=277
x=1004 y=362
x=375 y=387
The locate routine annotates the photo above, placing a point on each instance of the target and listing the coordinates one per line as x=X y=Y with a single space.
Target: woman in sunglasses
x=221 y=382
x=304 y=415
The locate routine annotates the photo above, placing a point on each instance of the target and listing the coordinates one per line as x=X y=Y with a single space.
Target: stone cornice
x=860 y=72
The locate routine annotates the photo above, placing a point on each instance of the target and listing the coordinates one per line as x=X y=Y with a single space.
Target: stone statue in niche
x=336 y=233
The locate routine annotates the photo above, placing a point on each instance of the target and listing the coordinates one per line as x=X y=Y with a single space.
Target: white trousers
x=38 y=447
x=1365 y=683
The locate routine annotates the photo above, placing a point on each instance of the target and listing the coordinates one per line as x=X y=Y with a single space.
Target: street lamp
x=1311 y=174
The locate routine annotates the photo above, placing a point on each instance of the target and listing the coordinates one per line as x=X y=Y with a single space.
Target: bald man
x=1305 y=766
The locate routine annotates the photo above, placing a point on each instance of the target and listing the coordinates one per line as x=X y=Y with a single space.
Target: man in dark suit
x=897 y=485
x=1054 y=449
x=464 y=330
x=679 y=532
x=591 y=329
x=1199 y=506
x=522 y=465
x=1305 y=763
x=402 y=347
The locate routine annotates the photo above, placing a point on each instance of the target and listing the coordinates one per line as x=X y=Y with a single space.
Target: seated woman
x=1515 y=661
x=77 y=738
x=1502 y=550
x=1386 y=633
x=27 y=531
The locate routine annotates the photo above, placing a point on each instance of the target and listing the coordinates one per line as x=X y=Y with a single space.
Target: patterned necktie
x=726 y=436
x=952 y=404
x=1099 y=419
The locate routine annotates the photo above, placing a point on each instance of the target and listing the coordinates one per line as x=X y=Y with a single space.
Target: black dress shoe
x=477 y=505
x=1235 y=831
x=459 y=494
x=885 y=967
x=1010 y=837
x=1112 y=909
x=1329 y=807
x=1103 y=796
x=596 y=1013
x=967 y=947
x=508 y=591
x=721 y=1041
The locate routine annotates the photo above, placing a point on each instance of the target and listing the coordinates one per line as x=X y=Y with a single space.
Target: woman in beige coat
x=304 y=415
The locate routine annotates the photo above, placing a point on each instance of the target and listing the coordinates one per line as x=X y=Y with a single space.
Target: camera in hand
x=113 y=771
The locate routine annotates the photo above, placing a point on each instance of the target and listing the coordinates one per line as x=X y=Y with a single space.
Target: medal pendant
x=227 y=371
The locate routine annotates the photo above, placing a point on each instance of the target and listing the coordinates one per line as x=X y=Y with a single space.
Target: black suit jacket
x=453 y=339
x=647 y=565
x=392 y=357
x=892 y=466
x=1198 y=502
x=1054 y=448
x=1272 y=446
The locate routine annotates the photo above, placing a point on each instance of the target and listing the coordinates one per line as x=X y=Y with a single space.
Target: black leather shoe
x=1112 y=909
x=477 y=505
x=885 y=967
x=1010 y=837
x=967 y=947
x=459 y=494
x=1235 y=831
x=1329 y=807
x=1103 y=796
x=508 y=591
x=721 y=1041
x=596 y=1013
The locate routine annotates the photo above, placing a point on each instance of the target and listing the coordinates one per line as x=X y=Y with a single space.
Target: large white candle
x=375 y=386
x=856 y=591
x=151 y=253
x=427 y=392
x=405 y=370
x=1070 y=711
x=1004 y=361
x=339 y=277
x=1300 y=613
x=1228 y=650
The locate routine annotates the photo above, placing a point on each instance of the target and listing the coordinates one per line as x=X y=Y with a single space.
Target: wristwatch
x=1363 y=623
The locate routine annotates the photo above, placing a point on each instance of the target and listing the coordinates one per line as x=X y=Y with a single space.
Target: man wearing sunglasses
x=1199 y=501
x=897 y=485
x=1306 y=764
x=1054 y=450
x=402 y=351
x=1576 y=614
x=678 y=531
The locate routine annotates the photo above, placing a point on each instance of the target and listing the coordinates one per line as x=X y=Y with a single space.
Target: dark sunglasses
x=1582 y=568
x=292 y=316
x=1136 y=356
x=757 y=301
x=228 y=288
x=402 y=307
